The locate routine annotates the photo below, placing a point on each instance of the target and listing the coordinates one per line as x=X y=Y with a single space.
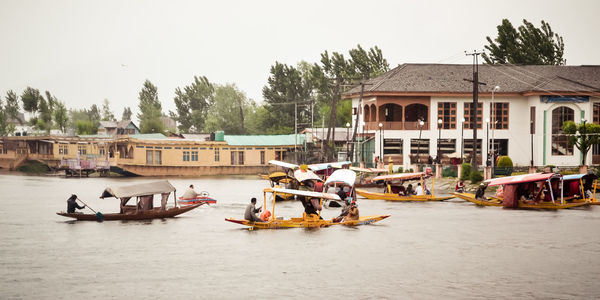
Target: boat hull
x=491 y=201
x=197 y=200
x=156 y=213
x=306 y=222
x=396 y=197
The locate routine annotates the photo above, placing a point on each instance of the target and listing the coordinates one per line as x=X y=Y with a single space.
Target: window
x=186 y=155
x=194 y=155
x=596 y=113
x=102 y=151
x=447 y=112
x=499 y=115
x=149 y=155
x=392 y=146
x=262 y=157
x=241 y=157
x=469 y=147
x=447 y=146
x=217 y=154
x=82 y=149
x=468 y=116
x=233 y=158
x=500 y=146
x=63 y=149
x=560 y=141
x=157 y=157
x=532 y=120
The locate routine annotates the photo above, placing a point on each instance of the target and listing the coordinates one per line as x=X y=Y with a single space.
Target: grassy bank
x=33 y=167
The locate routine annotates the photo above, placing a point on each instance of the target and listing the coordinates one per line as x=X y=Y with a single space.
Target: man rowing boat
x=72 y=204
x=251 y=211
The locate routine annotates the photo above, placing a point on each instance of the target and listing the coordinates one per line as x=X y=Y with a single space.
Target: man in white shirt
x=190 y=193
x=419 y=190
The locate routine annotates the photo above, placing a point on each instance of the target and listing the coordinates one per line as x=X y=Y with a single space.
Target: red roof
x=521 y=179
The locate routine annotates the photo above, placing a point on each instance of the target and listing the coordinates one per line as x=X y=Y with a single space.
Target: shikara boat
x=391 y=194
x=144 y=208
x=580 y=188
x=515 y=186
x=306 y=221
x=197 y=200
x=366 y=176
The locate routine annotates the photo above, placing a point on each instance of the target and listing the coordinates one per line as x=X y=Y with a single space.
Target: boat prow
x=493 y=201
x=395 y=197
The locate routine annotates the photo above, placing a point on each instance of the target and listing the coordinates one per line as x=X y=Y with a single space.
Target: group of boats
x=324 y=182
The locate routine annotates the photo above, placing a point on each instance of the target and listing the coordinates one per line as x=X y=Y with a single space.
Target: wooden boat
x=391 y=195
x=577 y=186
x=515 y=186
x=365 y=179
x=144 y=208
x=306 y=221
x=197 y=200
x=493 y=201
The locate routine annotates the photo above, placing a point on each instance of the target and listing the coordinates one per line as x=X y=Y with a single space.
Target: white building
x=531 y=102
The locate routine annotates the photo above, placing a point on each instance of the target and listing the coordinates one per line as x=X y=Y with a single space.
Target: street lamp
x=421 y=123
x=381 y=140
x=438 y=158
x=348 y=139
x=487 y=140
x=462 y=139
x=494 y=121
x=583 y=141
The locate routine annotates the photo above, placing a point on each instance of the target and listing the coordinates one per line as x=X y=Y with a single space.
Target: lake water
x=431 y=250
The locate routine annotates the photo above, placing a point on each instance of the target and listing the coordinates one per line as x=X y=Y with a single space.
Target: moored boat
x=393 y=192
x=143 y=209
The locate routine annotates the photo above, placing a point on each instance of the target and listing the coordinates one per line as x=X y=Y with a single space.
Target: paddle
x=99 y=215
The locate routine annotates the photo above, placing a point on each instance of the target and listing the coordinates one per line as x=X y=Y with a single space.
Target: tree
x=527 y=45
x=126 y=114
x=285 y=87
x=86 y=127
x=582 y=135
x=60 y=116
x=31 y=99
x=3 y=120
x=12 y=106
x=229 y=110
x=45 y=120
x=150 y=109
x=107 y=115
x=94 y=114
x=193 y=103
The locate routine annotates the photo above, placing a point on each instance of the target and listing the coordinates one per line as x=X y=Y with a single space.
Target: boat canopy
x=283 y=164
x=307 y=193
x=137 y=190
x=344 y=176
x=368 y=170
x=301 y=175
x=578 y=176
x=323 y=166
x=521 y=178
x=400 y=176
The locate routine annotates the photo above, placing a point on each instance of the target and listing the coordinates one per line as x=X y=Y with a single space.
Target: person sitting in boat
x=480 y=193
x=72 y=204
x=460 y=187
x=353 y=213
x=311 y=206
x=190 y=193
x=251 y=211
x=401 y=191
x=409 y=190
x=419 y=190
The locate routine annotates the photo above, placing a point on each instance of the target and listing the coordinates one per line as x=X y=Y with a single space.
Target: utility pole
x=359 y=112
x=476 y=83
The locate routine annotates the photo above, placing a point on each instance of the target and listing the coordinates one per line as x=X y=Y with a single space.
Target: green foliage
x=12 y=106
x=45 y=121
x=150 y=110
x=41 y=125
x=504 y=162
x=94 y=113
x=400 y=170
x=86 y=127
x=3 y=120
x=582 y=135
x=529 y=45
x=228 y=110
x=449 y=172
x=33 y=167
x=107 y=115
x=193 y=103
x=126 y=113
x=61 y=117
x=466 y=171
x=476 y=177
x=31 y=98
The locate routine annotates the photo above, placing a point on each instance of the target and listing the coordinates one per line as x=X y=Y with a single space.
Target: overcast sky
x=86 y=51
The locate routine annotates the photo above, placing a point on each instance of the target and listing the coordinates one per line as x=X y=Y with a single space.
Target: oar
x=99 y=215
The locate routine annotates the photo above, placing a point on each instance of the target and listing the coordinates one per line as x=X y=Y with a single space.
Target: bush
x=400 y=170
x=449 y=172
x=466 y=171
x=505 y=162
x=476 y=177
x=33 y=167
x=409 y=170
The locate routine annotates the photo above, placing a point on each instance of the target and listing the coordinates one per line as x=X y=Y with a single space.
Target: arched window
x=560 y=141
x=366 y=114
x=373 y=113
x=390 y=113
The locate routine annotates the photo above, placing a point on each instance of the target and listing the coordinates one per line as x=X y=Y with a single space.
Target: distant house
x=22 y=127
x=169 y=123
x=123 y=127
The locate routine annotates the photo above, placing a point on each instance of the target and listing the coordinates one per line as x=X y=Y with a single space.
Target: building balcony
x=396 y=125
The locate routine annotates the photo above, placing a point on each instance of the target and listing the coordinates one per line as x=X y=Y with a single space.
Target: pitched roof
x=448 y=78
x=264 y=140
